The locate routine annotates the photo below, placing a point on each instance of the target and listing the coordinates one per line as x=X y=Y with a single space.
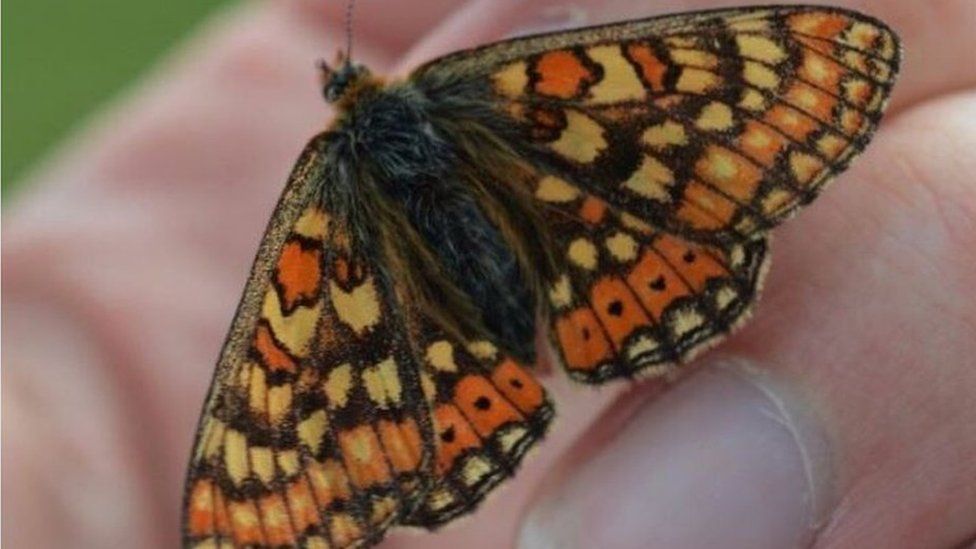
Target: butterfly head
x=345 y=78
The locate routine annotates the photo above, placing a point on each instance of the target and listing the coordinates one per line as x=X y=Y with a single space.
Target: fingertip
x=720 y=460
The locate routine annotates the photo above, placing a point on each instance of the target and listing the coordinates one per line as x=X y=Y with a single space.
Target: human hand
x=841 y=416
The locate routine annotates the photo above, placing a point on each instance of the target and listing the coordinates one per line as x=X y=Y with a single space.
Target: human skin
x=842 y=415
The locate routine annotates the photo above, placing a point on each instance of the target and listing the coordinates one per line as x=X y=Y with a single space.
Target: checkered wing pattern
x=706 y=129
x=339 y=408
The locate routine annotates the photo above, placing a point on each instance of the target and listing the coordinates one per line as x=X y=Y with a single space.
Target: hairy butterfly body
x=616 y=181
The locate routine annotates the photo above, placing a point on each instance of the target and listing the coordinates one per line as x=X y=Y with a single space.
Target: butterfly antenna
x=349 y=31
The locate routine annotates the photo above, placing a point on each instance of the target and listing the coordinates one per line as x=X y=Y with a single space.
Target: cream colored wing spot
x=753 y=100
x=635 y=224
x=295 y=331
x=475 y=469
x=262 y=463
x=775 y=199
x=856 y=90
x=737 y=256
x=696 y=58
x=817 y=70
x=314 y=224
x=652 y=179
x=554 y=189
x=214 y=437
x=725 y=297
x=440 y=498
x=344 y=530
x=427 y=386
x=312 y=430
x=760 y=48
x=760 y=75
x=382 y=383
x=512 y=436
x=693 y=80
x=316 y=542
x=561 y=293
x=338 y=384
x=257 y=391
x=831 y=145
x=382 y=509
x=279 y=403
x=622 y=247
x=620 y=82
x=235 y=456
x=583 y=253
x=757 y=22
x=483 y=350
x=512 y=80
x=582 y=140
x=288 y=461
x=440 y=355
x=679 y=42
x=644 y=344
x=358 y=308
x=805 y=167
x=684 y=321
x=665 y=134
x=862 y=35
x=715 y=116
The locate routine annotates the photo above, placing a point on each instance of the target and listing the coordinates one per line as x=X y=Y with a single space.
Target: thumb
x=726 y=459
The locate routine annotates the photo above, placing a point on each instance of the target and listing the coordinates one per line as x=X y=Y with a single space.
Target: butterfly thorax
x=415 y=197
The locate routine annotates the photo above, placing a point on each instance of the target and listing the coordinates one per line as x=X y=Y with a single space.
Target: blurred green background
x=62 y=60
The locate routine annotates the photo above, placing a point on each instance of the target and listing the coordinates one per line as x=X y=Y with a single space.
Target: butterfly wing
x=633 y=298
x=707 y=129
x=716 y=123
x=336 y=398
x=316 y=430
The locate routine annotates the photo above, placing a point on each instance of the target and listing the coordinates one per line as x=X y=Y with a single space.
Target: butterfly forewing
x=709 y=128
x=316 y=432
x=710 y=124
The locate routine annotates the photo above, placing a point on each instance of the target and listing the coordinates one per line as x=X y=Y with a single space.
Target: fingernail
x=727 y=458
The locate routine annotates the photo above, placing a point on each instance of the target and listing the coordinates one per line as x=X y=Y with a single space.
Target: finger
x=937 y=37
x=374 y=22
x=846 y=420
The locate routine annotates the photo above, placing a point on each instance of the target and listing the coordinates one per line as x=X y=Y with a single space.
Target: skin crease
x=124 y=260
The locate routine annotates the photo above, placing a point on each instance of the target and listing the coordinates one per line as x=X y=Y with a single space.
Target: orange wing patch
x=765 y=129
x=306 y=442
x=665 y=299
x=562 y=74
x=488 y=411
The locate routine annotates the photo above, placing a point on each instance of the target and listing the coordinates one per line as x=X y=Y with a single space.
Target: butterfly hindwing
x=633 y=299
x=488 y=411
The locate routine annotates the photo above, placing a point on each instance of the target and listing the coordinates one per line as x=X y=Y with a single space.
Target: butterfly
x=613 y=184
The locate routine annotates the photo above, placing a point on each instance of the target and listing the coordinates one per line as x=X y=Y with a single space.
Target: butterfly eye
x=336 y=83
